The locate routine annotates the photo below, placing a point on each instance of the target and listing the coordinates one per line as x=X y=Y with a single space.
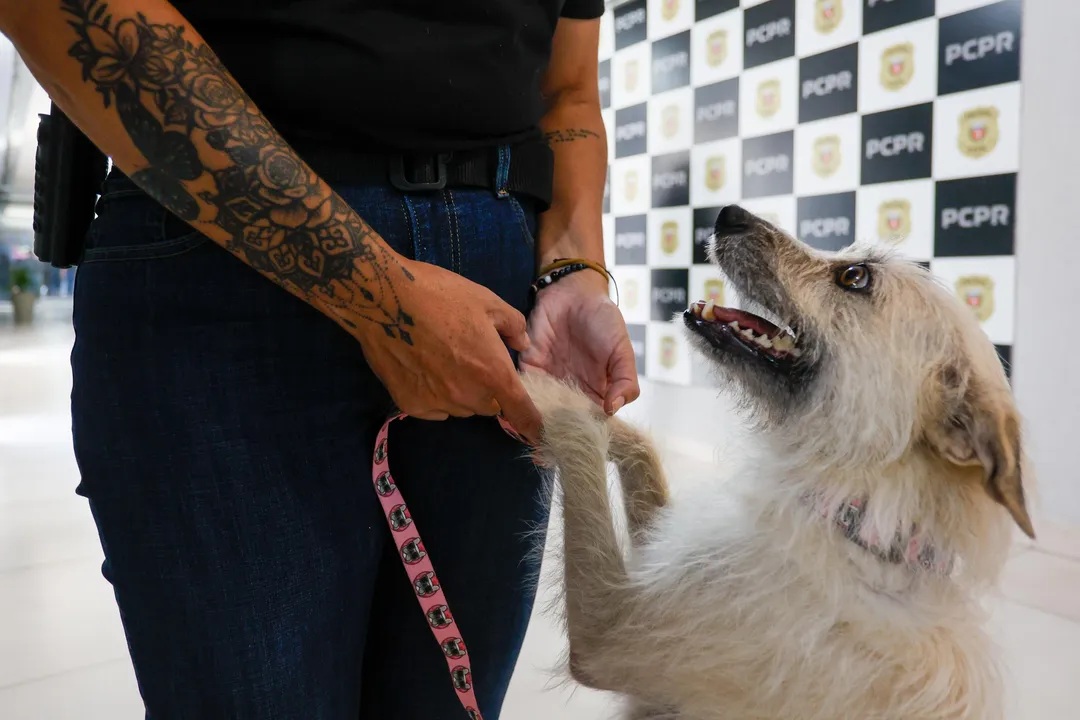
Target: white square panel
x=667 y=17
x=827 y=155
x=716 y=173
x=608 y=116
x=716 y=48
x=706 y=283
x=670 y=237
x=671 y=121
x=898 y=67
x=988 y=285
x=633 y=292
x=631 y=185
x=752 y=3
x=607 y=35
x=898 y=215
x=781 y=211
x=977 y=132
x=769 y=98
x=631 y=75
x=951 y=7
x=668 y=353
x=826 y=24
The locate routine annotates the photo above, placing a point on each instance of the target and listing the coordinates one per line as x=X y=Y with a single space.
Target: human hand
x=577 y=333
x=454 y=361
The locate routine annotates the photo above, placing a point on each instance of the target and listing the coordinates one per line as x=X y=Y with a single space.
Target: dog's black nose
x=732 y=219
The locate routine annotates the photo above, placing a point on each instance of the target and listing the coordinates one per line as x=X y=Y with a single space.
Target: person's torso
x=372 y=74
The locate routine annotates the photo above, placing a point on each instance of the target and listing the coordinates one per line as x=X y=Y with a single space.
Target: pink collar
x=421 y=573
x=908 y=548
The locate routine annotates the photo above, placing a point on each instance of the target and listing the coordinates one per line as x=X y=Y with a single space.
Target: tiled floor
x=62 y=653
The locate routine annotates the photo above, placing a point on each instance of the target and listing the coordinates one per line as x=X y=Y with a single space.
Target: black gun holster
x=68 y=173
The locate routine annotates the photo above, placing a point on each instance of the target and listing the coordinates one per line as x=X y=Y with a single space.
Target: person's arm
x=575 y=131
x=146 y=89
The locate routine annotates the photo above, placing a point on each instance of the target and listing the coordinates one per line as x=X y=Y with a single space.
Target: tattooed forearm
x=212 y=157
x=570 y=135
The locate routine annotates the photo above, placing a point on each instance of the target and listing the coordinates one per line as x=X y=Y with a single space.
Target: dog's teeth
x=696 y=309
x=707 y=313
x=747 y=333
x=784 y=343
x=763 y=341
x=734 y=325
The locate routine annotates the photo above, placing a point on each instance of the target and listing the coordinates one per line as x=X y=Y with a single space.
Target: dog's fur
x=740 y=601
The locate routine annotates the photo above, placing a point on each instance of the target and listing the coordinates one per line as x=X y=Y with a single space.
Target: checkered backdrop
x=892 y=121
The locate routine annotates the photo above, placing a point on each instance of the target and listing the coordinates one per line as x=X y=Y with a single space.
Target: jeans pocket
x=130 y=225
x=526 y=218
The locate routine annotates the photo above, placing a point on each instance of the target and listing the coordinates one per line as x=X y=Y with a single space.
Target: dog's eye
x=854 y=277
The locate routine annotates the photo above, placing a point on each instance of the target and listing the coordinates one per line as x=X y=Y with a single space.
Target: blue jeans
x=224 y=432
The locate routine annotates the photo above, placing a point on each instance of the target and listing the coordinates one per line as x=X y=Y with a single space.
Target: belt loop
x=502 y=173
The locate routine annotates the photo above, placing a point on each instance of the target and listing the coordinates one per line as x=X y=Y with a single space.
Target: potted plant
x=23 y=295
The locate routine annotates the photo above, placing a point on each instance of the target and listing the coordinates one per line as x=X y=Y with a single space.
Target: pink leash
x=417 y=562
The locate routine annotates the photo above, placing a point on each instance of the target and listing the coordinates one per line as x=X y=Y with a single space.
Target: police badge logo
x=400 y=518
x=715 y=172
x=716 y=48
x=669 y=237
x=978 y=131
x=977 y=292
x=894 y=220
x=714 y=290
x=630 y=185
x=827 y=15
x=768 y=98
x=669 y=121
x=897 y=66
x=631 y=74
x=826 y=155
x=669 y=352
x=630 y=294
x=669 y=9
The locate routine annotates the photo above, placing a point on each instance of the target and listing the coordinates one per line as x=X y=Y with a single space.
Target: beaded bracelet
x=561 y=267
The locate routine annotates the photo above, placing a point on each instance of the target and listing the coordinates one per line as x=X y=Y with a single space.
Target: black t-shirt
x=390 y=74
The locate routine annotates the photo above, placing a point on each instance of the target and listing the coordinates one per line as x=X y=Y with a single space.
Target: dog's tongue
x=726 y=315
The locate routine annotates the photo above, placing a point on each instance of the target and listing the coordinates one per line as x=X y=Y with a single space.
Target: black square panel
x=716 y=111
x=632 y=130
x=707 y=8
x=827 y=222
x=897 y=144
x=631 y=24
x=769 y=32
x=669 y=293
x=881 y=14
x=829 y=84
x=704 y=226
x=637 y=341
x=975 y=216
x=767 y=165
x=630 y=235
x=671 y=179
x=605 y=84
x=979 y=48
x=671 y=62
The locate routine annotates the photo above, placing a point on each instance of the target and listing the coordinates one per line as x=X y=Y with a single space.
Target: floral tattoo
x=175 y=98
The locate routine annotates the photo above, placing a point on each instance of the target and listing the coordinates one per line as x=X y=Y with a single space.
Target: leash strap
x=421 y=573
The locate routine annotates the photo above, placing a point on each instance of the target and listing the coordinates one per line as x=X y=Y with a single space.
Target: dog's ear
x=980 y=428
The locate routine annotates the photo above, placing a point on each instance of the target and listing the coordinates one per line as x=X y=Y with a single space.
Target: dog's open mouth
x=728 y=328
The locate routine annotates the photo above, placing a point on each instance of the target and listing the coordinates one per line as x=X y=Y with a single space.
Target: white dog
x=838 y=575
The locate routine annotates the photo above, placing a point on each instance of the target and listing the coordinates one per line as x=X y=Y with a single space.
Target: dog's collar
x=905 y=549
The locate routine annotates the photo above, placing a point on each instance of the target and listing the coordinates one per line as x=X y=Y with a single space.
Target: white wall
x=1047 y=344
x=1048 y=254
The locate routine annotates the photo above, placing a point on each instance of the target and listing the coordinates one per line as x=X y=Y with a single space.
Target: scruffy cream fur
x=739 y=602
